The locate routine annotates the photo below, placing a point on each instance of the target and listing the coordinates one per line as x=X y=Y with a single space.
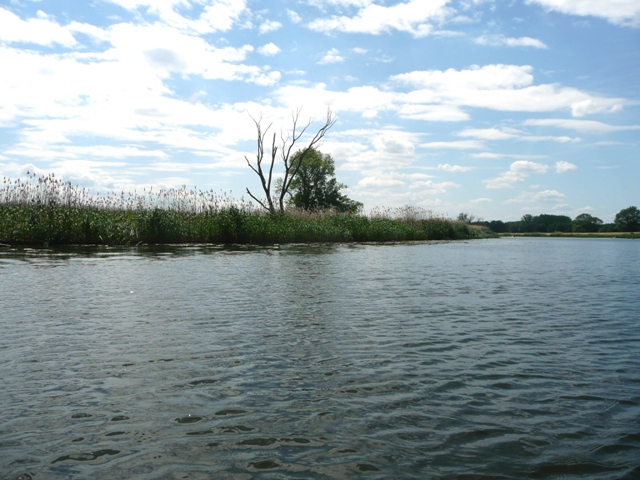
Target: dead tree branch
x=291 y=168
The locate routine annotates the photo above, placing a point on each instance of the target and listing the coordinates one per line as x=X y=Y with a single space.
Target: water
x=508 y=358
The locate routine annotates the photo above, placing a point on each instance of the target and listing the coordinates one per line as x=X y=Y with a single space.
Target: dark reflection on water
x=510 y=358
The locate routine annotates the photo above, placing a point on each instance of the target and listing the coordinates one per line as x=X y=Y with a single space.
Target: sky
x=496 y=108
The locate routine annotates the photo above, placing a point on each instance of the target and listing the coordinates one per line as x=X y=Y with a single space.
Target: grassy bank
x=45 y=211
x=630 y=235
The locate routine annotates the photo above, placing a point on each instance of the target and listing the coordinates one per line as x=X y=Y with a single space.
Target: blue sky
x=495 y=108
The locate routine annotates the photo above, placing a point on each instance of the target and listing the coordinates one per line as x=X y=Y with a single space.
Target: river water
x=508 y=358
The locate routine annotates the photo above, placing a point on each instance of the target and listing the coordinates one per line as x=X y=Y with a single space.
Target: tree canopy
x=466 y=217
x=586 y=223
x=628 y=219
x=314 y=187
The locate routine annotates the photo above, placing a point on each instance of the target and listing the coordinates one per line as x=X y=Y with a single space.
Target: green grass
x=46 y=211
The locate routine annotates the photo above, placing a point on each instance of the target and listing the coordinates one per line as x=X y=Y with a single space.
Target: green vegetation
x=627 y=220
x=315 y=186
x=47 y=211
x=586 y=223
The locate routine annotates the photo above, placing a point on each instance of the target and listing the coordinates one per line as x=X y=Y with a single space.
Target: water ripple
x=510 y=358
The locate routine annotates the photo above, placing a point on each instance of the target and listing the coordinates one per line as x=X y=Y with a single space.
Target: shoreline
x=625 y=235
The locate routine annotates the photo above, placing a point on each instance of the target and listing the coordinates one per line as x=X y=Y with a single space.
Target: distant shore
x=630 y=235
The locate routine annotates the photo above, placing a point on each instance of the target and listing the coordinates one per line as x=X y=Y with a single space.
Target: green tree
x=315 y=187
x=288 y=140
x=608 y=227
x=497 y=226
x=466 y=217
x=586 y=223
x=526 y=223
x=628 y=219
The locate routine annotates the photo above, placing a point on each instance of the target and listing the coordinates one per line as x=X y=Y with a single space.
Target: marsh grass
x=45 y=211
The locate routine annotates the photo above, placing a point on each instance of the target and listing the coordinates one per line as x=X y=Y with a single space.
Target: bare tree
x=291 y=165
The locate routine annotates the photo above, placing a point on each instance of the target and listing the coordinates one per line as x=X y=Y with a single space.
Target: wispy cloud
x=545 y=196
x=619 y=12
x=413 y=16
x=563 y=167
x=518 y=172
x=453 y=168
x=582 y=126
x=502 y=41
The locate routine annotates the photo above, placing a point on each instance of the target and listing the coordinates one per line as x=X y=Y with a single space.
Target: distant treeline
x=627 y=220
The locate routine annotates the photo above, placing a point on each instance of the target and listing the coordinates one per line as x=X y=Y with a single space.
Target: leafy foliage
x=586 y=223
x=628 y=219
x=315 y=186
x=544 y=223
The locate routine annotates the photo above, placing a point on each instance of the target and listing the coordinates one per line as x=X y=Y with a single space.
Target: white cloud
x=563 y=167
x=78 y=152
x=373 y=150
x=340 y=3
x=293 y=16
x=488 y=77
x=92 y=31
x=332 y=56
x=219 y=15
x=487 y=134
x=492 y=155
x=511 y=134
x=454 y=168
x=269 y=50
x=119 y=95
x=124 y=79
x=583 y=126
x=545 y=196
x=419 y=183
x=317 y=97
x=518 y=172
x=430 y=187
x=433 y=113
x=500 y=87
x=269 y=26
x=455 y=145
x=40 y=31
x=380 y=181
x=412 y=16
x=618 y=12
x=489 y=155
x=502 y=41
x=393 y=144
x=436 y=95
x=478 y=201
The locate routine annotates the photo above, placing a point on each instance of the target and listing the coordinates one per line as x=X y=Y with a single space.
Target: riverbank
x=630 y=235
x=45 y=211
x=44 y=225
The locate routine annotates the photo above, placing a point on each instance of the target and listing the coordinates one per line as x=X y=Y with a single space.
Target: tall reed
x=45 y=210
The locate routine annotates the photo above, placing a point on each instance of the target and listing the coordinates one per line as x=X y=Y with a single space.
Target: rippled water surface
x=507 y=358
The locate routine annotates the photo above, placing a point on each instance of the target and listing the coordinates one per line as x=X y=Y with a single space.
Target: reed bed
x=46 y=211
